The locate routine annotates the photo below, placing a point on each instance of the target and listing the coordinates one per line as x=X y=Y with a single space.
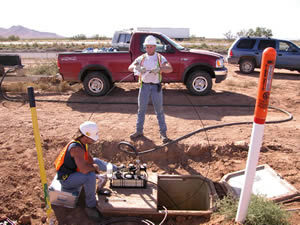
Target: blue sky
x=206 y=18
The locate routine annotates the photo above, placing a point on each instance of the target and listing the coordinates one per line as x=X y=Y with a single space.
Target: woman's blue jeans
x=88 y=181
x=145 y=92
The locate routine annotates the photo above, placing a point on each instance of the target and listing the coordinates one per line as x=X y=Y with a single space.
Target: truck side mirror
x=168 y=48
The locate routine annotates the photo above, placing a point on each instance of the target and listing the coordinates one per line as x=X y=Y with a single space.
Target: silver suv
x=247 y=52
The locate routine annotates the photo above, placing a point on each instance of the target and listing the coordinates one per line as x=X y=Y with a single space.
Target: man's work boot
x=136 y=135
x=164 y=138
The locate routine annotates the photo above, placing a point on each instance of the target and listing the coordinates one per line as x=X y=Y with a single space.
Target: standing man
x=149 y=67
x=75 y=166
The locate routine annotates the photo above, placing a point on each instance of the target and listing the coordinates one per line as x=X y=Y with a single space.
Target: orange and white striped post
x=260 y=114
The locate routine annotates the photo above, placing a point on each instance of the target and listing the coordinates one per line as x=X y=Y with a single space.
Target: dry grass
x=260 y=211
x=51 y=84
x=45 y=68
x=248 y=84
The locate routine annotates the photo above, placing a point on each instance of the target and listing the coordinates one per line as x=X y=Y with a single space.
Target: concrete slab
x=130 y=200
x=266 y=182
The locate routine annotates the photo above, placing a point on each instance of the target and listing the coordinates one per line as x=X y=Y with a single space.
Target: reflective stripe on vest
x=61 y=157
x=158 y=64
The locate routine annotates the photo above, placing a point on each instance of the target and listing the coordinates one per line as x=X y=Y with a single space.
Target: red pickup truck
x=98 y=71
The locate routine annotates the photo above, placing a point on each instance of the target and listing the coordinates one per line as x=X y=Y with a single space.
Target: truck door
x=288 y=55
x=264 y=43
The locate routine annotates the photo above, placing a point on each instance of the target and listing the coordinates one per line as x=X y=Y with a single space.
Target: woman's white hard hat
x=89 y=129
x=150 y=40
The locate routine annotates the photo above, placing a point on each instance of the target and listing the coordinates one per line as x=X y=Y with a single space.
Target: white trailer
x=176 y=33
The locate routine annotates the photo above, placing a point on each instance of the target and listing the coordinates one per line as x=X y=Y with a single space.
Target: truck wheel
x=199 y=83
x=247 y=66
x=96 y=84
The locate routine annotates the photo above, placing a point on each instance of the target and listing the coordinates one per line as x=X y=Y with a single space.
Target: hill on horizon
x=26 y=33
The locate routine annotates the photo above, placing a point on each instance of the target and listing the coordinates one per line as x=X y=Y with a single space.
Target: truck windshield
x=176 y=45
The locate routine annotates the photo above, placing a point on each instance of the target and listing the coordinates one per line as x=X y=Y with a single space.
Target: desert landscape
x=212 y=154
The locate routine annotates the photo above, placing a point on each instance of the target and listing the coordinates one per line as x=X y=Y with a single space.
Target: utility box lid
x=266 y=182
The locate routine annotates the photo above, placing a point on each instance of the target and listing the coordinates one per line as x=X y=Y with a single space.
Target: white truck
x=121 y=38
x=177 y=33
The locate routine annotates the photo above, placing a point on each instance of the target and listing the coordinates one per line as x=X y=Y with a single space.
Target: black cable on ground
x=290 y=117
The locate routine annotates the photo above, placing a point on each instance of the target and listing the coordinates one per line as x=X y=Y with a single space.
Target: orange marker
x=260 y=114
x=265 y=82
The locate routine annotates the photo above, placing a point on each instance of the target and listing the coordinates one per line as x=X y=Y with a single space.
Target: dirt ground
x=212 y=154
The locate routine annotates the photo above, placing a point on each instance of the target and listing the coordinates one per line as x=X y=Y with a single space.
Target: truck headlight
x=220 y=63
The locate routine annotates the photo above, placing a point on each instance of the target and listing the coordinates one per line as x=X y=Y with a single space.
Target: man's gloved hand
x=155 y=70
x=140 y=69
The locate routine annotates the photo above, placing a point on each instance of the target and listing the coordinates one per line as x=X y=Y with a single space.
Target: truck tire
x=96 y=84
x=199 y=83
x=247 y=66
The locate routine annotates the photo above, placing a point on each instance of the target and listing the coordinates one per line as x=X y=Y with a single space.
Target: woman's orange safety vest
x=61 y=157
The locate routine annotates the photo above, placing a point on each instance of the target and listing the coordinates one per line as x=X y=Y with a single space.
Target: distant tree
x=98 y=37
x=242 y=33
x=13 y=38
x=229 y=35
x=79 y=37
x=262 y=32
x=258 y=32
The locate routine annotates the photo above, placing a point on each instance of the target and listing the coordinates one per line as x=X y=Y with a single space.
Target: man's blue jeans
x=88 y=181
x=145 y=92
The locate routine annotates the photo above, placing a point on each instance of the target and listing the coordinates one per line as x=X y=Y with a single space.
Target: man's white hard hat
x=150 y=40
x=89 y=129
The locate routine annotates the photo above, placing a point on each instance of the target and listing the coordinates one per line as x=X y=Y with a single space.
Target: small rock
x=34 y=216
x=155 y=169
x=44 y=219
x=170 y=222
x=241 y=143
x=180 y=219
x=25 y=219
x=43 y=205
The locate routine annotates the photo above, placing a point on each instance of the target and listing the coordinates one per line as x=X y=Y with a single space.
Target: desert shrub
x=231 y=83
x=249 y=84
x=79 y=37
x=43 y=69
x=13 y=38
x=261 y=211
x=43 y=86
x=63 y=87
x=18 y=87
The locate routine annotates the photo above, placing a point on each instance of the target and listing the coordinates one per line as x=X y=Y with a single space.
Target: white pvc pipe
x=253 y=155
